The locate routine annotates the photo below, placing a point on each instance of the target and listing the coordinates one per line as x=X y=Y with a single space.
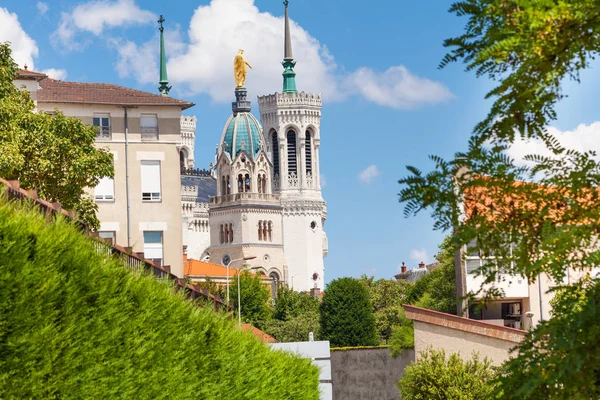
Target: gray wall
x=369 y=373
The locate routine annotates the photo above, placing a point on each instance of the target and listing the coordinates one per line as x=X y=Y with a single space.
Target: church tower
x=291 y=122
x=245 y=216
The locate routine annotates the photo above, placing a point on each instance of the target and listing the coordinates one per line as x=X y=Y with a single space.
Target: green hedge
x=74 y=324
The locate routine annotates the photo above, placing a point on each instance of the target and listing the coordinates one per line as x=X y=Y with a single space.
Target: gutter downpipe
x=127 y=176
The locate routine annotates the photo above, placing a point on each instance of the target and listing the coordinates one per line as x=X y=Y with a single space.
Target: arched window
x=260 y=238
x=264 y=183
x=270 y=231
x=221 y=235
x=264 y=233
x=260 y=183
x=275 y=147
x=223 y=186
x=240 y=182
x=247 y=183
x=228 y=187
x=308 y=152
x=274 y=284
x=182 y=157
x=230 y=233
x=291 y=150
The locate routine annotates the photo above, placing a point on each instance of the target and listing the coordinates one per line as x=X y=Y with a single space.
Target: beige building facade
x=141 y=207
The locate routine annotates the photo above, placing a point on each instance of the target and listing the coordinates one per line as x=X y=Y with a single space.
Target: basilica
x=260 y=204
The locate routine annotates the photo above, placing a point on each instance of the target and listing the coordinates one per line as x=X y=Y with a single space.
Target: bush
x=295 y=329
x=74 y=324
x=347 y=314
x=436 y=377
x=254 y=296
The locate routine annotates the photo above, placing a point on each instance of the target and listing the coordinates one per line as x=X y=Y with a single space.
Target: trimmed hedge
x=74 y=324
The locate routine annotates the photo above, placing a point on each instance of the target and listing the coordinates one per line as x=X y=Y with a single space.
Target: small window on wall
x=153 y=245
x=149 y=126
x=105 y=190
x=151 y=181
x=108 y=236
x=102 y=122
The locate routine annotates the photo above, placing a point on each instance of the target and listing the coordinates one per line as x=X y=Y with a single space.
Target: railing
x=195 y=172
x=244 y=196
x=135 y=261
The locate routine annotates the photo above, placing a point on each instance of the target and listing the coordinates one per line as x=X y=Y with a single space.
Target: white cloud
x=368 y=174
x=397 y=87
x=54 y=73
x=96 y=16
x=419 y=255
x=24 y=48
x=42 y=8
x=204 y=64
x=583 y=138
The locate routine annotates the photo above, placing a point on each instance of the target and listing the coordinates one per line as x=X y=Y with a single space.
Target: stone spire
x=289 y=76
x=163 y=87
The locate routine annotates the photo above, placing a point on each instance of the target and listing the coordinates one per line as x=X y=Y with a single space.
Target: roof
x=194 y=267
x=207 y=186
x=263 y=337
x=242 y=132
x=413 y=275
x=55 y=91
x=27 y=74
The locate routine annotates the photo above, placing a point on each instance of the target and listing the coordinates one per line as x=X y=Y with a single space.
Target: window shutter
x=151 y=180
x=149 y=121
x=105 y=189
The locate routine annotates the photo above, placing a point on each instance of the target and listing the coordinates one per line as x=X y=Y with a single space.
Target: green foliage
x=75 y=324
x=213 y=287
x=568 y=366
x=346 y=314
x=295 y=329
x=296 y=314
x=530 y=47
x=254 y=296
x=290 y=304
x=54 y=154
x=387 y=297
x=438 y=285
x=402 y=337
x=437 y=377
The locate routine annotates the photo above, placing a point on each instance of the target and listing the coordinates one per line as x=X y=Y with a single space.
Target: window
x=291 y=149
x=153 y=245
x=275 y=153
x=102 y=121
x=149 y=126
x=107 y=235
x=151 y=180
x=265 y=231
x=308 y=153
x=105 y=190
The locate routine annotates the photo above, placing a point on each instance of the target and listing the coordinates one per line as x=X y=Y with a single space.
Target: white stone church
x=262 y=197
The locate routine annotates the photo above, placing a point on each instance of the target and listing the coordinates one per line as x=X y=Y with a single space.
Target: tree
x=346 y=314
x=387 y=297
x=534 y=215
x=439 y=285
x=254 y=297
x=438 y=377
x=53 y=154
x=296 y=314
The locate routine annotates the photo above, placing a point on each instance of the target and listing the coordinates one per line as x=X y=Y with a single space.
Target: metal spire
x=289 y=76
x=163 y=87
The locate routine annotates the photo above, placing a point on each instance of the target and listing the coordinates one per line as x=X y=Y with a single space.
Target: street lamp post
x=239 y=298
x=227 y=266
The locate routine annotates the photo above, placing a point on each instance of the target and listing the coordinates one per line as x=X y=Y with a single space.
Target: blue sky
x=386 y=102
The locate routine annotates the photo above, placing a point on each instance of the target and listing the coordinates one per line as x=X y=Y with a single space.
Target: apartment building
x=141 y=206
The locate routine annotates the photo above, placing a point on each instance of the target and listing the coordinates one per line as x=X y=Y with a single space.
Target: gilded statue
x=239 y=69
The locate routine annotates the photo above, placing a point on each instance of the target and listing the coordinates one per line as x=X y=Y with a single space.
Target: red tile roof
x=193 y=267
x=263 y=337
x=55 y=91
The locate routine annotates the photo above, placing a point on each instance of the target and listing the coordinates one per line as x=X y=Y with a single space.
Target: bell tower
x=291 y=123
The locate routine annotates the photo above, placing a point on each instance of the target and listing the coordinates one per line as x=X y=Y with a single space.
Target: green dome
x=242 y=132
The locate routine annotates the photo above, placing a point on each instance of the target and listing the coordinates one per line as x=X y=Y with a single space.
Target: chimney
x=421 y=264
x=403 y=268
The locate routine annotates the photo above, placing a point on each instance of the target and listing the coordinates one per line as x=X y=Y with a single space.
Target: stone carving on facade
x=292 y=180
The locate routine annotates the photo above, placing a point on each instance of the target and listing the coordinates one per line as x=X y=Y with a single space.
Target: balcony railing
x=244 y=197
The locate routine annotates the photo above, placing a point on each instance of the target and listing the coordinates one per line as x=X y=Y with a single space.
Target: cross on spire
x=163 y=82
x=289 y=76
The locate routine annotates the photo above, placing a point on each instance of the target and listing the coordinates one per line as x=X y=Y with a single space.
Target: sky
x=386 y=103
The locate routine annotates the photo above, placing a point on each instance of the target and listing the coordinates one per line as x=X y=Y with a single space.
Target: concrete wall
x=369 y=373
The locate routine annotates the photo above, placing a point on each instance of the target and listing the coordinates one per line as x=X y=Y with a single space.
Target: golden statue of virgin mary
x=239 y=69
